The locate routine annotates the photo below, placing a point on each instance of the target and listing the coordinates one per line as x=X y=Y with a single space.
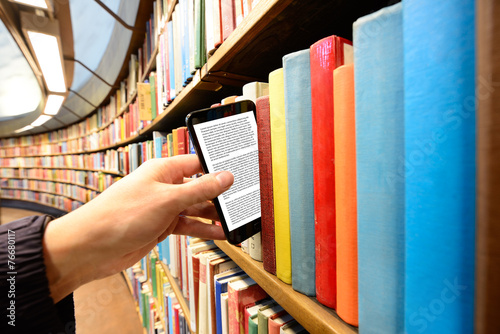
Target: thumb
x=205 y=188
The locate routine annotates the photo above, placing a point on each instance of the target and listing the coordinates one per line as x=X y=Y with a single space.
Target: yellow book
x=122 y=126
x=144 y=101
x=175 y=142
x=280 y=176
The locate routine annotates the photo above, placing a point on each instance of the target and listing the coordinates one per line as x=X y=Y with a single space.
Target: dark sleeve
x=24 y=289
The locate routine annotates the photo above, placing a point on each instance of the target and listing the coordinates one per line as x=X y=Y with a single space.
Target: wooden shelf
x=315 y=317
x=56 y=181
x=178 y=292
x=71 y=168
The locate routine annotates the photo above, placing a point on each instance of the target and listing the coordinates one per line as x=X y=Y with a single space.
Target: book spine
x=378 y=59
x=298 y=121
x=345 y=192
x=266 y=184
x=232 y=311
x=440 y=170
x=280 y=176
x=326 y=55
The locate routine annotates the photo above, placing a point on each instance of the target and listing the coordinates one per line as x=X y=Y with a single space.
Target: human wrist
x=66 y=268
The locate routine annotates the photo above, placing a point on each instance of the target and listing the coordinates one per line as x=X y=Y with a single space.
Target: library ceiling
x=94 y=39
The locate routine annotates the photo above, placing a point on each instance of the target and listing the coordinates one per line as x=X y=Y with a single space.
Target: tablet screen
x=230 y=143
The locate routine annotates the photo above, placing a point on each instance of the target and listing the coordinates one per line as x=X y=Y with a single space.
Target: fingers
x=196 y=228
x=186 y=164
x=203 y=189
x=202 y=210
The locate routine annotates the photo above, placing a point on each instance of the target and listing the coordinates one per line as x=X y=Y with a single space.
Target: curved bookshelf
x=55 y=181
x=69 y=168
x=253 y=50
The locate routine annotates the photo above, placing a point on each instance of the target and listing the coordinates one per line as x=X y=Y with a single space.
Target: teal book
x=298 y=122
x=379 y=101
x=440 y=165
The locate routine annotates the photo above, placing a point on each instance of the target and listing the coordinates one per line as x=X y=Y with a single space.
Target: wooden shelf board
x=315 y=317
x=56 y=181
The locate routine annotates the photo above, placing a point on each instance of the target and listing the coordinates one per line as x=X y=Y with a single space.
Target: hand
x=120 y=226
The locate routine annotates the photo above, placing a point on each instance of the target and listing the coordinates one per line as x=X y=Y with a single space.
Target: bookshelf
x=272 y=29
x=315 y=317
x=250 y=53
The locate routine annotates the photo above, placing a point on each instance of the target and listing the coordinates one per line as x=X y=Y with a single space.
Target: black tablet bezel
x=244 y=232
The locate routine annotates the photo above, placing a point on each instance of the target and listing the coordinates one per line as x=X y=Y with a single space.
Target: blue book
x=171 y=64
x=439 y=58
x=379 y=99
x=220 y=281
x=298 y=121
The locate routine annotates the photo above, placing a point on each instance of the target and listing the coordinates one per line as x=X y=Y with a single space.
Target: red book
x=217 y=24
x=181 y=140
x=241 y=292
x=177 y=308
x=326 y=55
x=228 y=17
x=276 y=321
x=345 y=190
x=266 y=184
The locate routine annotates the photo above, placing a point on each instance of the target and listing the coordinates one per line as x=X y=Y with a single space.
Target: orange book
x=345 y=194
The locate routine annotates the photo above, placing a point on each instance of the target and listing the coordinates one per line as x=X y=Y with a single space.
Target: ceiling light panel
x=46 y=48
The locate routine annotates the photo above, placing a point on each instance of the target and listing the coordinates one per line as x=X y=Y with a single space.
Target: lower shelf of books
x=315 y=317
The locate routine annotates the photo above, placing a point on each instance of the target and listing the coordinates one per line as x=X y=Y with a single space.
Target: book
x=265 y=313
x=171 y=60
x=252 y=310
x=252 y=91
x=214 y=267
x=276 y=321
x=200 y=50
x=298 y=123
x=345 y=194
x=220 y=282
x=253 y=324
x=209 y=26
x=193 y=253
x=487 y=289
x=280 y=176
x=159 y=140
x=216 y=24
x=144 y=99
x=440 y=164
x=228 y=17
x=241 y=293
x=255 y=247
x=153 y=94
x=203 y=292
x=224 y=313
x=378 y=60
x=266 y=183
x=293 y=327
x=326 y=54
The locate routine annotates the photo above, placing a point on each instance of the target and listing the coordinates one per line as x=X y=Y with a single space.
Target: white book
x=224 y=314
x=209 y=25
x=193 y=249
